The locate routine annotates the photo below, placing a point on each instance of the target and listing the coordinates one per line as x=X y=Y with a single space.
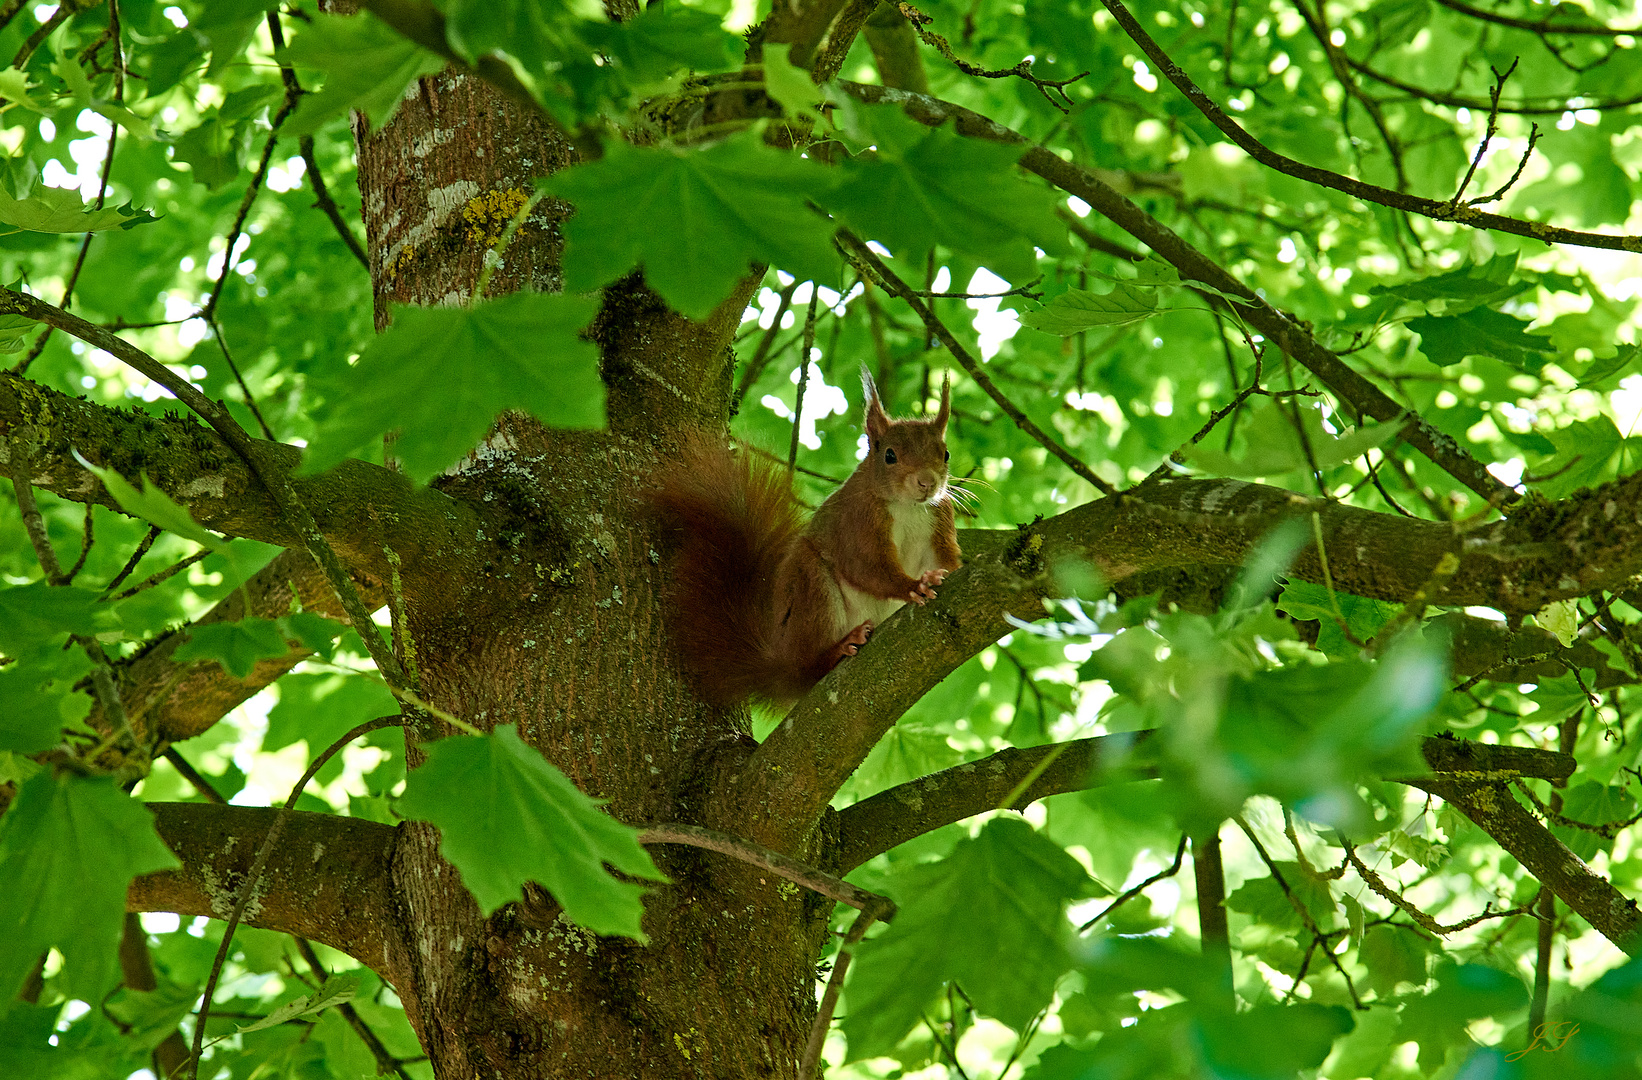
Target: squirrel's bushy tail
x=737 y=520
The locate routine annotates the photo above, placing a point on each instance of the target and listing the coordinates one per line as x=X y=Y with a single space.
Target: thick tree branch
x=879 y=823
x=1589 y=542
x=1289 y=335
x=1437 y=209
x=895 y=49
x=269 y=470
x=892 y=817
x=326 y=879
x=362 y=509
x=788 y=781
x=1493 y=809
x=820 y=32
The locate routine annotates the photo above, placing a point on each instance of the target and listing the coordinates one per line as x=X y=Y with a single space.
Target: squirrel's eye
x=889 y=455
x=948 y=454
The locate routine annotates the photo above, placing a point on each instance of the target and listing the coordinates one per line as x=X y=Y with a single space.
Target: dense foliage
x=159 y=183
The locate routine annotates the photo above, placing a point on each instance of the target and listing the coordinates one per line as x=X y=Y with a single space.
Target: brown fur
x=757 y=594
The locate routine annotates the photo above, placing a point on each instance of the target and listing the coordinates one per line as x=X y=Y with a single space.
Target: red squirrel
x=765 y=605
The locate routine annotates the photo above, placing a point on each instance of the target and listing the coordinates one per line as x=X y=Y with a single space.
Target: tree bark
x=577 y=660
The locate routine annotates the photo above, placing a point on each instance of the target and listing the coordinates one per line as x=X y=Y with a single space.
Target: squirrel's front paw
x=924 y=590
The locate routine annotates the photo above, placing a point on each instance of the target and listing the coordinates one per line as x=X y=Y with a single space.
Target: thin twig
x=147 y=542
x=829 y=999
x=1179 y=456
x=1432 y=208
x=305 y=147
x=33 y=521
x=1488 y=134
x=248 y=887
x=187 y=771
x=1545 y=902
x=803 y=380
x=773 y=861
x=45 y=30
x=160 y=576
x=1022 y=70
x=208 y=311
x=1533 y=139
x=1299 y=908
x=761 y=354
x=1173 y=869
x=1387 y=893
x=385 y=1061
x=867 y=261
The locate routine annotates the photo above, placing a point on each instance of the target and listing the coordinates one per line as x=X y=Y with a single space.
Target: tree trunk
x=564 y=638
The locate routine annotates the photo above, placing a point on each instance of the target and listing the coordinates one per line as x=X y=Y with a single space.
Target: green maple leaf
x=211 y=150
x=237 y=646
x=695 y=219
x=1076 y=310
x=367 y=66
x=991 y=916
x=1470 y=281
x=1588 y=453
x=1448 y=339
x=541 y=34
x=37 y=699
x=927 y=186
x=1464 y=993
x=439 y=376
x=60 y=210
x=338 y=990
x=70 y=846
x=1393 y=954
x=316 y=632
x=154 y=506
x=508 y=816
x=1275 y=446
x=1363 y=617
x=37 y=614
x=663 y=39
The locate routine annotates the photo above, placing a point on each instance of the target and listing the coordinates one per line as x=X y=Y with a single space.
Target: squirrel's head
x=908 y=457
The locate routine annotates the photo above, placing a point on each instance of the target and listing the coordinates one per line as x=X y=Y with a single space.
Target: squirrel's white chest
x=912 y=527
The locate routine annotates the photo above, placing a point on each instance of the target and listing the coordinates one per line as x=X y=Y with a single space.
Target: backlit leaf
x=991 y=917
x=70 y=845
x=507 y=816
x=695 y=220
x=439 y=377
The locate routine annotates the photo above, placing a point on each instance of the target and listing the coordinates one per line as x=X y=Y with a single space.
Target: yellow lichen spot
x=487 y=215
x=678 y=1041
x=398 y=264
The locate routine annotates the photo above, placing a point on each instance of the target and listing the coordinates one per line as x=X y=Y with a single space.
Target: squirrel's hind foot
x=851 y=644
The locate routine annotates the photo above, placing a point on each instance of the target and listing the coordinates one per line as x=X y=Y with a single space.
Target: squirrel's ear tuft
x=944 y=413
x=877 y=421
